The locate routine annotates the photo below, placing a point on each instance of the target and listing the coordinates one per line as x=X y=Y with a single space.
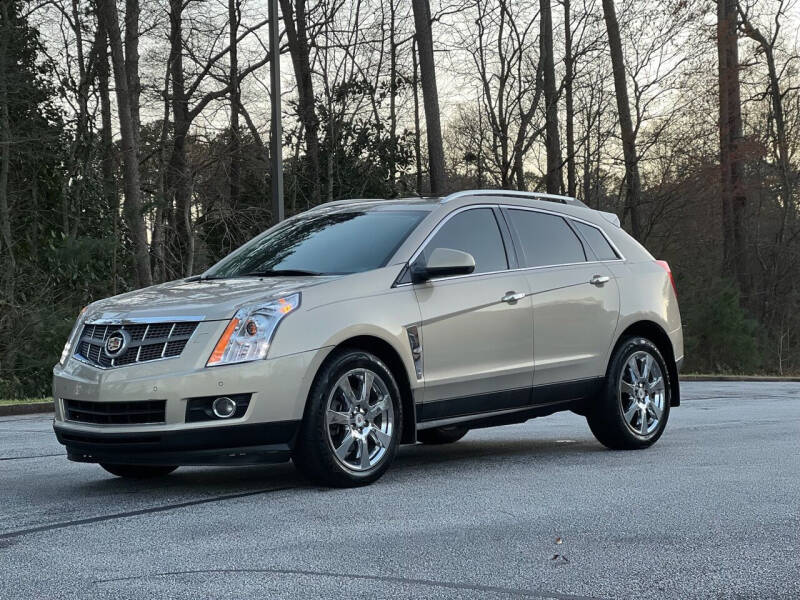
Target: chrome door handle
x=599 y=280
x=512 y=297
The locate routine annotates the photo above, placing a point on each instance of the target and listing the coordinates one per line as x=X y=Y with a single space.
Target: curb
x=753 y=378
x=7 y=410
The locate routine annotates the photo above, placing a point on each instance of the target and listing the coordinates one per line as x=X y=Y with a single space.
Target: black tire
x=606 y=417
x=313 y=452
x=138 y=471
x=442 y=435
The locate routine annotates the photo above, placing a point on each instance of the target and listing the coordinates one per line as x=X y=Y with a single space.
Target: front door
x=477 y=330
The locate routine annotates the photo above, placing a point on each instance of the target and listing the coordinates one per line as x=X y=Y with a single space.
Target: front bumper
x=278 y=388
x=243 y=444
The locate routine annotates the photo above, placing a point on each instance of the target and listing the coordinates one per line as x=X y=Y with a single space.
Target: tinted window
x=474 y=231
x=546 y=239
x=328 y=243
x=597 y=241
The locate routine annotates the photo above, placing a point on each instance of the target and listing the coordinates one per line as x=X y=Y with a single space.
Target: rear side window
x=546 y=239
x=597 y=241
x=474 y=231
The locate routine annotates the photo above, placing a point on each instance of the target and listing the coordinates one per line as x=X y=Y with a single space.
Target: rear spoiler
x=610 y=217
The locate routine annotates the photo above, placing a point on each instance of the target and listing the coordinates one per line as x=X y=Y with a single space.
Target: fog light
x=223 y=407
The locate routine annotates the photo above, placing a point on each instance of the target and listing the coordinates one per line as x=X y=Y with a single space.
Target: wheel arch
x=656 y=334
x=391 y=357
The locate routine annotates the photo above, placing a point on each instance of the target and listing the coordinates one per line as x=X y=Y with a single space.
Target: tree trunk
x=553 y=182
x=5 y=155
x=132 y=63
x=133 y=205
x=417 y=133
x=107 y=141
x=180 y=179
x=392 y=95
x=730 y=132
x=235 y=95
x=788 y=175
x=297 y=36
x=430 y=96
x=569 y=67
x=633 y=185
x=157 y=247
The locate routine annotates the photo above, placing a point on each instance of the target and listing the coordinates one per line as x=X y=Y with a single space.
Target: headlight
x=247 y=337
x=68 y=346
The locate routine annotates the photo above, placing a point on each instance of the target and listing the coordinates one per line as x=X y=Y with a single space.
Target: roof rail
x=515 y=194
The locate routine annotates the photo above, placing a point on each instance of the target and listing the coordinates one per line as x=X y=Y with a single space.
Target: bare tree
x=294 y=18
x=553 y=181
x=767 y=46
x=5 y=151
x=130 y=150
x=107 y=138
x=503 y=50
x=234 y=16
x=430 y=95
x=730 y=135
x=184 y=112
x=633 y=184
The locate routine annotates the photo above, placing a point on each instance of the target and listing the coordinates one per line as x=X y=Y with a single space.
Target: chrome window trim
x=579 y=220
x=146 y=320
x=444 y=221
x=448 y=216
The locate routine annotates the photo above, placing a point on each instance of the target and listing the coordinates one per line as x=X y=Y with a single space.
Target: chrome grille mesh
x=148 y=341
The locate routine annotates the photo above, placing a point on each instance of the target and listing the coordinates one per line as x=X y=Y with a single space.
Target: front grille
x=148 y=341
x=115 y=413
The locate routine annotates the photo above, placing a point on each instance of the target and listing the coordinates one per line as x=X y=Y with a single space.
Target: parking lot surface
x=538 y=510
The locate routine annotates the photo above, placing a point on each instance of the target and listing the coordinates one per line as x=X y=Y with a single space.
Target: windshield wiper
x=194 y=278
x=282 y=273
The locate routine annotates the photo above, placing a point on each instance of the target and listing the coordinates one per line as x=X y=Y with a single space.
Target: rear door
x=575 y=301
x=477 y=329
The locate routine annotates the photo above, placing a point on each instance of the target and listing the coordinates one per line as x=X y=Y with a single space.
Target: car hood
x=201 y=300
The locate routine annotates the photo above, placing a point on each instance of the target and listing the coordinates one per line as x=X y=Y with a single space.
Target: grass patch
x=24 y=401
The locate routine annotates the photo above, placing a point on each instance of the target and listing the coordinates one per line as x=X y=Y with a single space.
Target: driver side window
x=474 y=231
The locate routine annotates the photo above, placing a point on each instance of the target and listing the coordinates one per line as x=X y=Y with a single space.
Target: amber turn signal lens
x=219 y=349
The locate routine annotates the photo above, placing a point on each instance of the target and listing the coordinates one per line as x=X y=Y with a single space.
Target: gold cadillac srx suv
x=360 y=325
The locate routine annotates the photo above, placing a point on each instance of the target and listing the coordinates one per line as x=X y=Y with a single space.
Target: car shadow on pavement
x=211 y=481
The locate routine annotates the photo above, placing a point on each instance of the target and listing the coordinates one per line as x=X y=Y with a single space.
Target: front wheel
x=138 y=471
x=632 y=410
x=353 y=421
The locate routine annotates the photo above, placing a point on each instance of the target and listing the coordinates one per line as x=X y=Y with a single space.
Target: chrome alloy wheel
x=642 y=393
x=359 y=418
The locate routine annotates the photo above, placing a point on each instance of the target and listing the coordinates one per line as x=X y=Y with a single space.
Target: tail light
x=665 y=265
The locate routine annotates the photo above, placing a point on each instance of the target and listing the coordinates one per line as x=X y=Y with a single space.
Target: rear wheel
x=633 y=408
x=442 y=435
x=138 y=471
x=353 y=422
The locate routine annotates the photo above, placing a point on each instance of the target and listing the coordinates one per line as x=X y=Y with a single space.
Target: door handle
x=512 y=297
x=599 y=280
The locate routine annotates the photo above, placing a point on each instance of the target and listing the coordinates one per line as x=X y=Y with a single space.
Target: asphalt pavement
x=538 y=510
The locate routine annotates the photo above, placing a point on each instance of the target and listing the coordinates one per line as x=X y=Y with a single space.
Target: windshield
x=322 y=244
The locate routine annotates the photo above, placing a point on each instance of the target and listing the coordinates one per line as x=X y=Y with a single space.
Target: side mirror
x=443 y=262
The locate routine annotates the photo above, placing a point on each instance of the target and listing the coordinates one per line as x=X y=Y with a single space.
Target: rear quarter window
x=597 y=241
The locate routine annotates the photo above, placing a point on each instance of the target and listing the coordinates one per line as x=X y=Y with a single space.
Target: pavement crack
x=514 y=592
x=135 y=513
x=28 y=457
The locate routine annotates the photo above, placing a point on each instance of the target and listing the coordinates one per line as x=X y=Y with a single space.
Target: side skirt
x=508 y=406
